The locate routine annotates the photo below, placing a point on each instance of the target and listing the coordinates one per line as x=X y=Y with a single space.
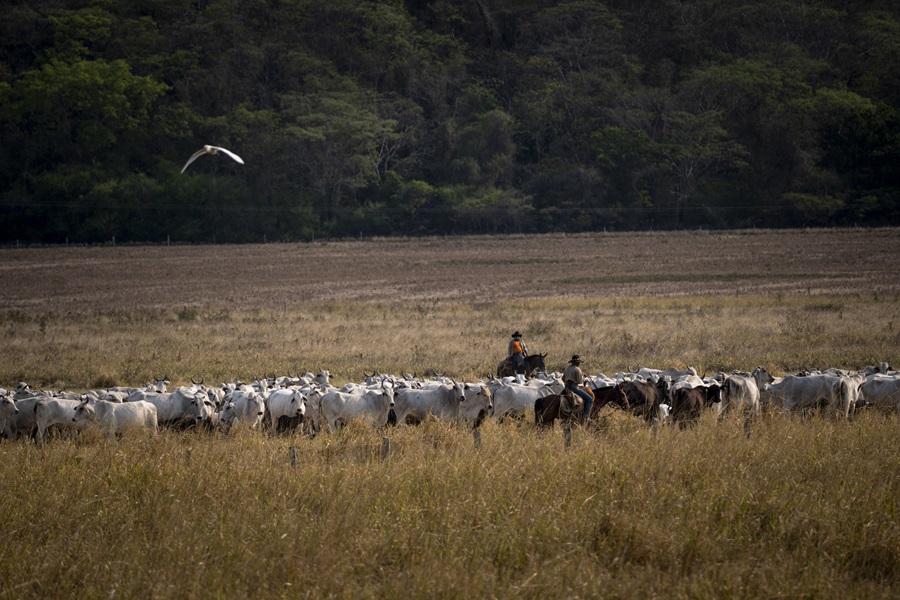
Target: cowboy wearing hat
x=516 y=352
x=574 y=379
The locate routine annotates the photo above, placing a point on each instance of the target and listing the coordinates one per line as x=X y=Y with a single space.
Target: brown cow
x=689 y=402
x=644 y=398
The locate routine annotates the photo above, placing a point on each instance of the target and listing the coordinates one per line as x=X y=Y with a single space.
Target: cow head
x=160 y=384
x=476 y=399
x=388 y=393
x=202 y=408
x=228 y=414
x=761 y=376
x=83 y=412
x=298 y=404
x=7 y=407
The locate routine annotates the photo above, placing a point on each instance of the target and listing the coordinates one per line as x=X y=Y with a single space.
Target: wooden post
x=385 y=447
x=567 y=436
x=293 y=457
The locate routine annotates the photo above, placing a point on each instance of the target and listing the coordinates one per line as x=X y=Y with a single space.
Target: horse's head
x=535 y=362
x=614 y=395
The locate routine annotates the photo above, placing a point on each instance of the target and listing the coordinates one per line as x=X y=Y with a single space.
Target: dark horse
x=546 y=409
x=533 y=362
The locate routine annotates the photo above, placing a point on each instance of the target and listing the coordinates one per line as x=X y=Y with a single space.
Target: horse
x=546 y=410
x=533 y=362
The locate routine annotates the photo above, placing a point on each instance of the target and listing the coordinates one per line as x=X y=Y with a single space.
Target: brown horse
x=533 y=362
x=565 y=406
x=546 y=410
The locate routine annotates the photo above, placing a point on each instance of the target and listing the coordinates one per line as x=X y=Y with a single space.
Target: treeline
x=440 y=116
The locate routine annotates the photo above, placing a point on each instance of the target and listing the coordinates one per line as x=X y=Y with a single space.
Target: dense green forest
x=388 y=117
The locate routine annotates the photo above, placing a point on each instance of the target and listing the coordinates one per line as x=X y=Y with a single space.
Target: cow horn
x=196 y=382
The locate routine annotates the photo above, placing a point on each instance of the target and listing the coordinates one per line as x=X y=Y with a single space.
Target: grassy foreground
x=800 y=509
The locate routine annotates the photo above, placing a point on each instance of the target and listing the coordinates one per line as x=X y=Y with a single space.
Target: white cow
x=114 y=418
x=314 y=395
x=794 y=392
x=8 y=410
x=22 y=391
x=881 y=392
x=183 y=406
x=478 y=404
x=442 y=401
x=288 y=404
x=244 y=406
x=323 y=378
x=113 y=395
x=881 y=368
x=56 y=412
x=673 y=373
x=740 y=394
x=21 y=423
x=514 y=399
x=373 y=406
x=203 y=410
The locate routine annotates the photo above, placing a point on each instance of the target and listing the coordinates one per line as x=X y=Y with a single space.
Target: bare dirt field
x=603 y=265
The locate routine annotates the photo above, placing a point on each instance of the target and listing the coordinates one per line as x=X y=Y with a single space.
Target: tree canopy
x=414 y=117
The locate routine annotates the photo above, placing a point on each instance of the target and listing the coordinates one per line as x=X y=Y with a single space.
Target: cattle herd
x=311 y=405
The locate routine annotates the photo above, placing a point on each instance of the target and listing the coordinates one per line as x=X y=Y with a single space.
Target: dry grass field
x=800 y=508
x=81 y=317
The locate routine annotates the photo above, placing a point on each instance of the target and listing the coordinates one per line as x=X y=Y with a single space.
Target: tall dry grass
x=798 y=509
x=465 y=340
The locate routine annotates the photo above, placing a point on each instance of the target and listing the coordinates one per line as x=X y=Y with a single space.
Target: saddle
x=570 y=405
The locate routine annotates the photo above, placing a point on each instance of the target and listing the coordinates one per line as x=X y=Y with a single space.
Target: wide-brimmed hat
x=517 y=334
x=575 y=359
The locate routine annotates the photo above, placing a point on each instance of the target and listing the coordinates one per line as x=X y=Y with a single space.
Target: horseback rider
x=574 y=379
x=516 y=352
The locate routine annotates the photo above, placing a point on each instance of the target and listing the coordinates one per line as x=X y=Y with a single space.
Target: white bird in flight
x=213 y=150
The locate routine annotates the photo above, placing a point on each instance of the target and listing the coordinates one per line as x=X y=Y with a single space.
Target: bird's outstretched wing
x=207 y=149
x=229 y=153
x=194 y=157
